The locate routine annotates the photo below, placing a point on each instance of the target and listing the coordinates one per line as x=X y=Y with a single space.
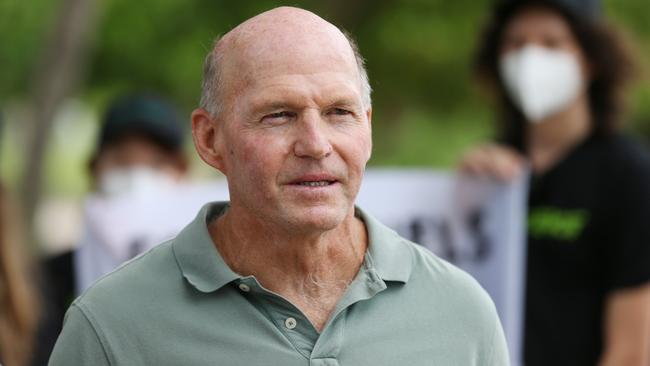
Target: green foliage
x=23 y=27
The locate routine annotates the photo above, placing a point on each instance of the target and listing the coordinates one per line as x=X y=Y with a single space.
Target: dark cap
x=586 y=10
x=144 y=115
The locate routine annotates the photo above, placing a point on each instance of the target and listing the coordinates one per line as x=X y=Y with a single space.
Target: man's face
x=296 y=139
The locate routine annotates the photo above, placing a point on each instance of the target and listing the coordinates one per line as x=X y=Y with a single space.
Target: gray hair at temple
x=212 y=79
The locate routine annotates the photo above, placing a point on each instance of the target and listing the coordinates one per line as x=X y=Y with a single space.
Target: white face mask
x=541 y=81
x=136 y=180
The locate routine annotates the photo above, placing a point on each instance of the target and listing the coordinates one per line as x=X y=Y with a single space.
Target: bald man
x=289 y=272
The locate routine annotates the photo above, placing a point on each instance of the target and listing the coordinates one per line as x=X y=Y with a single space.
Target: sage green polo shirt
x=180 y=304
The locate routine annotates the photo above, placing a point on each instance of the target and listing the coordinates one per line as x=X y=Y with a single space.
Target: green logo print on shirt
x=555 y=223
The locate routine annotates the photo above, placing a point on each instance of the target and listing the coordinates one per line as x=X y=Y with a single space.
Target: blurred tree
x=59 y=69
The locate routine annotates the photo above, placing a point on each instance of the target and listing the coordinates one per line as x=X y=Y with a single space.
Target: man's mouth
x=320 y=183
x=315 y=180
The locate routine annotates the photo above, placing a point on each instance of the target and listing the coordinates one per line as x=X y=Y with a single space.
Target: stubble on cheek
x=259 y=171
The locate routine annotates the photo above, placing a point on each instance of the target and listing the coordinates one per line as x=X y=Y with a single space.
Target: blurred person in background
x=558 y=70
x=139 y=148
x=19 y=306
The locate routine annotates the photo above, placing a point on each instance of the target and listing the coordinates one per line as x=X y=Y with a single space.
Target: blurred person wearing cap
x=557 y=71
x=141 y=136
x=289 y=272
x=139 y=149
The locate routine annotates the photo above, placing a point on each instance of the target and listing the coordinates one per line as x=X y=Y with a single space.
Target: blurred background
x=62 y=61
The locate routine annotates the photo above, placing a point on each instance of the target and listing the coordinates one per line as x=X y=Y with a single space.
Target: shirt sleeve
x=79 y=343
x=629 y=252
x=499 y=355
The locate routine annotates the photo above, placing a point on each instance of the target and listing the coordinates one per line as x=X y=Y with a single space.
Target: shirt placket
x=320 y=349
x=328 y=345
x=286 y=318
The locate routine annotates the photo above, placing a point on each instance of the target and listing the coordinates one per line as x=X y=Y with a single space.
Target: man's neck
x=550 y=140
x=311 y=270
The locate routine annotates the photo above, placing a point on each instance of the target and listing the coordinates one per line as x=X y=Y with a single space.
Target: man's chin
x=317 y=218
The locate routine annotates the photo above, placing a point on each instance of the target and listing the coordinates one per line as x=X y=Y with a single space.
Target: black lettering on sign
x=444 y=239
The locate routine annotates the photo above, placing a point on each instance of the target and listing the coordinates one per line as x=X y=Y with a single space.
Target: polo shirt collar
x=199 y=260
x=389 y=253
x=204 y=268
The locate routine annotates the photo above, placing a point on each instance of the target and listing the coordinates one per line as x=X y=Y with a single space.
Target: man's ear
x=208 y=141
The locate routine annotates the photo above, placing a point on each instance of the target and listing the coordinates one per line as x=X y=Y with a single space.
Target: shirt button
x=290 y=323
x=244 y=287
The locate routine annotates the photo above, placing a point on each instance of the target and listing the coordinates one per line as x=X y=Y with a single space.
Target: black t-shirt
x=588 y=235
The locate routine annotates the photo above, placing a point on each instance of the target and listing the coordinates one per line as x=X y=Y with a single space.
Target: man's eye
x=340 y=112
x=278 y=115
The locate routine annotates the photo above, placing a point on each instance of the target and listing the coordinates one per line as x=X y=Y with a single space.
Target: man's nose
x=312 y=140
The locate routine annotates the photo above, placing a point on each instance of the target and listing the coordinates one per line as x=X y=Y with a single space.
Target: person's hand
x=493 y=160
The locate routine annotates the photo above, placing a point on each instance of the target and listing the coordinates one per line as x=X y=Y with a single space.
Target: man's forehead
x=273 y=62
x=329 y=89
